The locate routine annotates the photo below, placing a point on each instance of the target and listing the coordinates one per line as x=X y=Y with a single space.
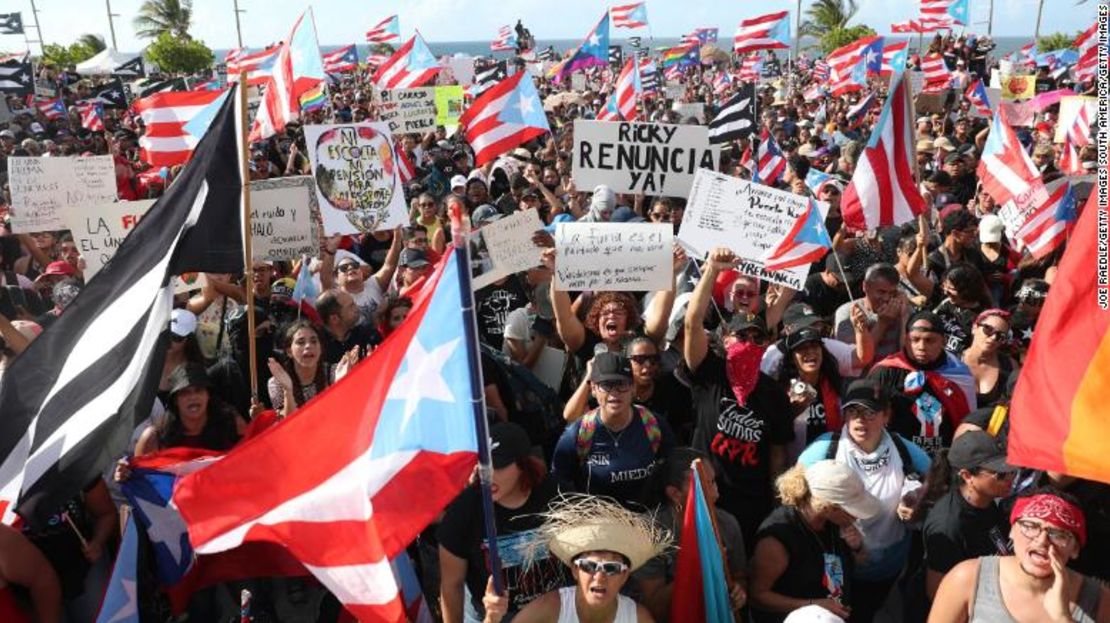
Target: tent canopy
x=104 y=63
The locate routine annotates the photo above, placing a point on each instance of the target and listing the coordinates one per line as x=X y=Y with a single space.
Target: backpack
x=588 y=427
x=908 y=470
x=532 y=404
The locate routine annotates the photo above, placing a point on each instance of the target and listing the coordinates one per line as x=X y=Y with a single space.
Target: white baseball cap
x=836 y=483
x=458 y=181
x=183 y=322
x=990 y=228
x=812 y=614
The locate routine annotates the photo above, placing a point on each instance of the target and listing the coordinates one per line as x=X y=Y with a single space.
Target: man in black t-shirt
x=492 y=305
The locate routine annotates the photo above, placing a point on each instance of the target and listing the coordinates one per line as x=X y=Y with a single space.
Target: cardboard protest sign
x=42 y=187
x=1016 y=87
x=508 y=246
x=183 y=284
x=674 y=90
x=407 y=110
x=282 y=221
x=614 y=256
x=357 y=183
x=931 y=102
x=99 y=229
x=649 y=158
x=695 y=110
x=449 y=106
x=748 y=218
x=1069 y=110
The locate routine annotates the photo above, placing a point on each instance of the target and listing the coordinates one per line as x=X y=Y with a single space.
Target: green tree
x=60 y=56
x=1055 y=41
x=93 y=42
x=164 y=16
x=839 y=37
x=176 y=55
x=825 y=16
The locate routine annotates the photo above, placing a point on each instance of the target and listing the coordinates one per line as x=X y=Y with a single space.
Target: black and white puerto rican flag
x=73 y=397
x=150 y=87
x=16 y=77
x=131 y=69
x=11 y=23
x=736 y=118
x=489 y=75
x=112 y=95
x=616 y=57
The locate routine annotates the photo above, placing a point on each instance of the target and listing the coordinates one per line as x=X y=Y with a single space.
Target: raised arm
x=659 y=311
x=696 y=345
x=570 y=328
x=389 y=266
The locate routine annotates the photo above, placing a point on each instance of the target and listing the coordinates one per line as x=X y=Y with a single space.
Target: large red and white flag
x=844 y=62
x=766 y=32
x=1006 y=172
x=92 y=116
x=1048 y=226
x=387 y=30
x=628 y=90
x=882 y=191
x=504 y=116
x=936 y=71
x=297 y=69
x=166 y=141
x=629 y=16
x=258 y=65
x=909 y=25
x=412 y=65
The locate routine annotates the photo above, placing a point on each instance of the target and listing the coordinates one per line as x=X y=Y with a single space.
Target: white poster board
x=614 y=256
x=282 y=222
x=695 y=110
x=357 y=183
x=508 y=243
x=578 y=82
x=42 y=187
x=1069 y=109
x=649 y=158
x=674 y=90
x=407 y=110
x=99 y=229
x=750 y=219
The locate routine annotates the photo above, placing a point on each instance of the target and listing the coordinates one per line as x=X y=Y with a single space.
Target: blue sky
x=345 y=21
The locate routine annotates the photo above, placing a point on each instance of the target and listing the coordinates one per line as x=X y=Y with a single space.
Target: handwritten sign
x=407 y=110
x=449 y=106
x=42 y=187
x=578 y=82
x=99 y=229
x=747 y=218
x=508 y=243
x=357 y=183
x=650 y=158
x=694 y=109
x=614 y=256
x=281 y=218
x=674 y=90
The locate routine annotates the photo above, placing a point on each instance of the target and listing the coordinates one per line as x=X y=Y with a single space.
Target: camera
x=802 y=389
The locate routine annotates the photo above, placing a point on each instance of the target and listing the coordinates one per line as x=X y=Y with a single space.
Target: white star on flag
x=593 y=39
x=527 y=105
x=870 y=56
x=166 y=527
x=423 y=377
x=129 y=609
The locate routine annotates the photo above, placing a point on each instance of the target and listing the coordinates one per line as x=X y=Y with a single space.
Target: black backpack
x=532 y=404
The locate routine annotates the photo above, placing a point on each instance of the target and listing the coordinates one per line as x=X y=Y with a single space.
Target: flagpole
x=460 y=233
x=248 y=264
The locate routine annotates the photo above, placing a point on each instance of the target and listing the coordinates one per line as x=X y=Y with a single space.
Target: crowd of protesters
x=853 y=432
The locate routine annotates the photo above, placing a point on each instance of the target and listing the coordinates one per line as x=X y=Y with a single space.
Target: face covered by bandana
x=742 y=367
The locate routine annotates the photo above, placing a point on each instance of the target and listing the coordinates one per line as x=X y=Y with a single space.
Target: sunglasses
x=644 y=359
x=1031 y=530
x=591 y=567
x=991 y=332
x=661 y=216
x=346 y=268
x=1000 y=476
x=862 y=413
x=610 y=387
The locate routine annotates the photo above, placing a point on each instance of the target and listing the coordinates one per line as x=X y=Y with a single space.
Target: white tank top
x=568 y=612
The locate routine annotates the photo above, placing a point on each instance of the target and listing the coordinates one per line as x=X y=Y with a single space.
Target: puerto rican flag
x=629 y=15
x=92 y=115
x=297 y=70
x=1087 y=65
x=909 y=25
x=1006 y=172
x=850 y=65
x=1070 y=163
x=805 y=243
x=234 y=54
x=947 y=11
x=882 y=192
x=503 y=117
x=342 y=60
x=175 y=122
x=977 y=94
x=405 y=169
x=894 y=58
x=1079 y=132
x=936 y=72
x=51 y=109
x=389 y=29
x=857 y=114
x=721 y=83
x=401 y=421
x=1049 y=225
x=766 y=32
x=771 y=162
x=412 y=65
x=701 y=36
x=505 y=41
x=622 y=103
x=820 y=70
x=258 y=65
x=751 y=69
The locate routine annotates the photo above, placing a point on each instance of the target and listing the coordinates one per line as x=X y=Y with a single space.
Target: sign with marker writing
x=42 y=187
x=614 y=256
x=408 y=110
x=99 y=229
x=649 y=158
x=747 y=218
x=508 y=246
x=449 y=106
x=282 y=218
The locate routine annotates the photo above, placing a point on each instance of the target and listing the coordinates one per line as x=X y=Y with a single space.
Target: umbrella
x=563 y=98
x=1044 y=100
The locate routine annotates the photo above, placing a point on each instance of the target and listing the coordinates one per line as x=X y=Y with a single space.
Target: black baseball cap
x=867 y=393
x=415 y=258
x=802 y=336
x=610 y=367
x=742 y=321
x=508 y=442
x=800 y=316
x=977 y=449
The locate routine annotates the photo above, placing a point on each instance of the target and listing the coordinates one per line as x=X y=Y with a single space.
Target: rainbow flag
x=700 y=592
x=314 y=98
x=681 y=55
x=1058 y=417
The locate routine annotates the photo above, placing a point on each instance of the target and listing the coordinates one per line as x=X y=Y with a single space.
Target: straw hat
x=586 y=523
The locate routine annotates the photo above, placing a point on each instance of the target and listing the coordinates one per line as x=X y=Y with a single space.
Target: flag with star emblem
x=592 y=52
x=951 y=12
x=111 y=95
x=412 y=65
x=11 y=23
x=401 y=421
x=15 y=75
x=805 y=243
x=131 y=69
x=297 y=70
x=121 y=604
x=506 y=116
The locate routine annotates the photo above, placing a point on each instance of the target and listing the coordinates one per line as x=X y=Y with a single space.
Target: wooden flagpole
x=248 y=264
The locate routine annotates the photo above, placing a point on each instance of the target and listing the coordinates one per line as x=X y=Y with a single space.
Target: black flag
x=112 y=95
x=15 y=76
x=634 y=42
x=131 y=69
x=488 y=75
x=11 y=23
x=73 y=397
x=156 y=86
x=736 y=118
x=616 y=57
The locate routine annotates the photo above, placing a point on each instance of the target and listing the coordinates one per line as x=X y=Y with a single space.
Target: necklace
x=616 y=437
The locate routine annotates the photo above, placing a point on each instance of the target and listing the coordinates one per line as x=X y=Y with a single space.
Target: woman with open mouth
x=1048 y=529
x=602 y=544
x=810 y=378
x=196 y=418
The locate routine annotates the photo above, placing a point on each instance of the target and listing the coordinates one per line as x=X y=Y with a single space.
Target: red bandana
x=1052 y=510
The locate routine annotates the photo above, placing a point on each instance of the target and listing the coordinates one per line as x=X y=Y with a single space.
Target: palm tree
x=93 y=42
x=164 y=16
x=825 y=16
